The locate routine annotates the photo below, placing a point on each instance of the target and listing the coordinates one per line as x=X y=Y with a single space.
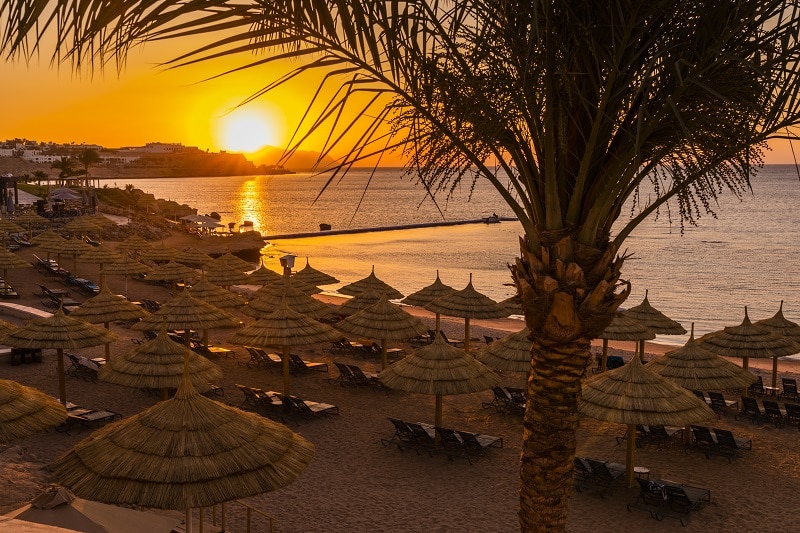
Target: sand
x=355 y=484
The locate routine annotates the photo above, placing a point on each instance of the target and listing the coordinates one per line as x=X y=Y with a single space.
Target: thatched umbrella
x=82 y=225
x=263 y=276
x=385 y=321
x=277 y=287
x=159 y=253
x=192 y=257
x=158 y=364
x=623 y=328
x=513 y=305
x=75 y=247
x=134 y=244
x=440 y=370
x=100 y=255
x=6 y=227
x=107 y=307
x=360 y=302
x=371 y=282
x=58 y=332
x=779 y=325
x=632 y=395
x=186 y=452
x=49 y=241
x=225 y=275
x=30 y=218
x=214 y=294
x=172 y=271
x=467 y=303
x=187 y=313
x=512 y=353
x=25 y=411
x=748 y=340
x=285 y=328
x=429 y=293
x=10 y=261
x=265 y=303
x=655 y=320
x=313 y=276
x=126 y=267
x=230 y=261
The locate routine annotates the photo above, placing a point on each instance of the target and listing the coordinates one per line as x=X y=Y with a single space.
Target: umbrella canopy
x=467 y=303
x=623 y=328
x=385 y=321
x=25 y=411
x=285 y=328
x=29 y=217
x=265 y=303
x=7 y=226
x=83 y=224
x=427 y=294
x=779 y=325
x=46 y=237
x=125 y=267
x=9 y=261
x=360 y=302
x=513 y=305
x=134 y=243
x=313 y=276
x=440 y=370
x=512 y=353
x=189 y=451
x=158 y=364
x=75 y=247
x=371 y=282
x=215 y=295
x=107 y=307
x=654 y=319
x=187 y=313
x=100 y=254
x=158 y=253
x=172 y=271
x=230 y=261
x=192 y=257
x=277 y=287
x=58 y=332
x=263 y=276
x=225 y=275
x=633 y=394
x=695 y=368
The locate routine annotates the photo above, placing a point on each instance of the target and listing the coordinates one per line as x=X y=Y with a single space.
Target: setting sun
x=245 y=130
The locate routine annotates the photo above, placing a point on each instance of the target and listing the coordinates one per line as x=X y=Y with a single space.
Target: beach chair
x=366 y=378
x=451 y=444
x=403 y=436
x=260 y=358
x=721 y=406
x=423 y=440
x=792 y=413
x=750 y=408
x=661 y=436
x=458 y=343
x=518 y=402
x=297 y=363
x=772 y=412
x=663 y=498
x=605 y=475
x=789 y=391
x=728 y=445
x=345 y=376
x=581 y=474
x=307 y=409
x=703 y=440
x=501 y=400
x=757 y=387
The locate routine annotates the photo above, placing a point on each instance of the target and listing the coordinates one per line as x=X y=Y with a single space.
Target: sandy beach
x=355 y=484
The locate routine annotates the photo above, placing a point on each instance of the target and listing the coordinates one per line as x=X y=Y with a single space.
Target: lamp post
x=287 y=262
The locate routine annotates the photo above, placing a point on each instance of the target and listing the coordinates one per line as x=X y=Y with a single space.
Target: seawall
x=383 y=228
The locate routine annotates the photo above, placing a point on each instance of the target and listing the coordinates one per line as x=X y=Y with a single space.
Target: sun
x=246 y=131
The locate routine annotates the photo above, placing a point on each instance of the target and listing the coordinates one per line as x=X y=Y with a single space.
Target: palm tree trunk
x=569 y=295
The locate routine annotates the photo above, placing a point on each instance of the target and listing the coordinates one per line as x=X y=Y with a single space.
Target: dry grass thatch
x=30 y=217
x=47 y=236
x=134 y=243
x=632 y=394
x=748 y=340
x=159 y=364
x=224 y=275
x=623 y=328
x=439 y=369
x=654 y=319
x=230 y=261
x=371 y=282
x=172 y=271
x=9 y=260
x=513 y=305
x=74 y=246
x=285 y=327
x=159 y=252
x=313 y=276
x=277 y=287
x=101 y=255
x=383 y=320
x=265 y=302
x=6 y=327
x=214 y=294
x=779 y=325
x=185 y=312
x=185 y=452
x=509 y=354
x=126 y=267
x=192 y=257
x=427 y=294
x=25 y=411
x=263 y=276
x=359 y=302
x=467 y=303
x=107 y=307
x=7 y=226
x=83 y=224
x=58 y=331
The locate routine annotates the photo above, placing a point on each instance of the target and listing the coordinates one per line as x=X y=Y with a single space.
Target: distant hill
x=300 y=161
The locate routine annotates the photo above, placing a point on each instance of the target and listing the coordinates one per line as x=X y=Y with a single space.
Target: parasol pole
x=62 y=382
x=384 y=355
x=774 y=372
x=437 y=323
x=605 y=355
x=630 y=455
x=466 y=334
x=437 y=416
x=188 y=520
x=285 y=365
x=745 y=364
x=108 y=345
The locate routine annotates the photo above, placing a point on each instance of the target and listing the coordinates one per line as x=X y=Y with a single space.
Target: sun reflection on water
x=252 y=204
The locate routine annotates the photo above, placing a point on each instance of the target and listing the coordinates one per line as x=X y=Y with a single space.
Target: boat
x=492 y=219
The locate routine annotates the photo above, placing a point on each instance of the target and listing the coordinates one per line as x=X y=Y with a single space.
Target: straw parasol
x=107 y=307
x=6 y=226
x=748 y=340
x=440 y=370
x=655 y=320
x=126 y=267
x=782 y=327
x=172 y=271
x=313 y=276
x=134 y=244
x=230 y=261
x=82 y=225
x=158 y=253
x=513 y=305
x=225 y=275
x=9 y=261
x=192 y=257
x=633 y=394
x=46 y=237
x=186 y=452
x=429 y=293
x=263 y=276
x=100 y=255
x=58 y=332
x=512 y=353
x=385 y=321
x=75 y=247
x=467 y=303
x=285 y=328
x=277 y=287
x=214 y=294
x=25 y=411
x=30 y=218
x=360 y=302
x=623 y=328
x=265 y=303
x=158 y=364
x=371 y=282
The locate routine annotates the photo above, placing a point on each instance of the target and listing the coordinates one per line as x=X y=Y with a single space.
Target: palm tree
x=39 y=175
x=66 y=167
x=569 y=109
x=88 y=157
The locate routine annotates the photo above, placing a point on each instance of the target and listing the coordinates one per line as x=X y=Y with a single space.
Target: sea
x=745 y=256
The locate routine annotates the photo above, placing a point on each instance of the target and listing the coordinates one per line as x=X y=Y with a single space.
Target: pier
x=387 y=228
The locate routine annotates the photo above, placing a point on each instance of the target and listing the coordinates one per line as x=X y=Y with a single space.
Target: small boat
x=493 y=219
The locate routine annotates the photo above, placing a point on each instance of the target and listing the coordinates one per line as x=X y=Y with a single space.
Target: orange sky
x=149 y=104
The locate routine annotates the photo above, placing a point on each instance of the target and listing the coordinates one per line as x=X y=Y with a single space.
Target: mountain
x=300 y=161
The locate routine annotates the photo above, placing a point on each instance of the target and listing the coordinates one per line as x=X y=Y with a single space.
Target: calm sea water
x=747 y=256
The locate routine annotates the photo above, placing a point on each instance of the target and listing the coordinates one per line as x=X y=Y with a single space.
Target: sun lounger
x=403 y=436
x=260 y=358
x=750 y=408
x=772 y=412
x=81 y=367
x=792 y=413
x=298 y=364
x=757 y=388
x=604 y=475
x=86 y=418
x=728 y=445
x=305 y=408
x=789 y=391
x=662 y=498
x=501 y=400
x=721 y=406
